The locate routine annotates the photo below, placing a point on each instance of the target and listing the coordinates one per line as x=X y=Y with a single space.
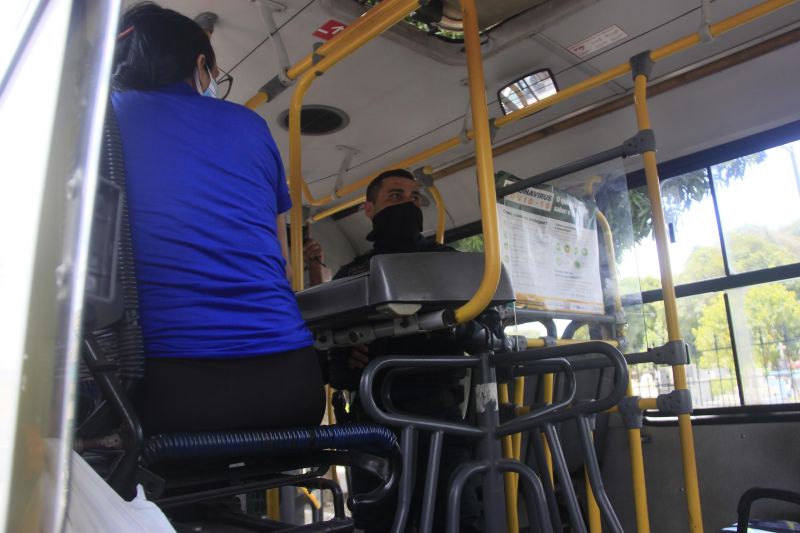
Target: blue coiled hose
x=189 y=446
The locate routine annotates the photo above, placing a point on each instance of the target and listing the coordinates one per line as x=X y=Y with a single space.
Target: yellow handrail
x=509 y=481
x=637 y=475
x=679 y=45
x=634 y=434
x=405 y=163
x=608 y=240
x=350 y=32
x=392 y=12
x=670 y=307
x=441 y=214
x=363 y=182
x=592 y=509
x=644 y=405
x=484 y=166
x=316 y=217
x=548 y=385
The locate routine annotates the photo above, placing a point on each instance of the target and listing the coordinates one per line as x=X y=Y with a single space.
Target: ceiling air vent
x=317 y=120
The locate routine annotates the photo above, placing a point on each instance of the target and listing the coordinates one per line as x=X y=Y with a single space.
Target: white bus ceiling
x=401 y=102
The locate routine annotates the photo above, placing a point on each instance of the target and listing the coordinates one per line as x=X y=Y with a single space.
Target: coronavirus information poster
x=548 y=242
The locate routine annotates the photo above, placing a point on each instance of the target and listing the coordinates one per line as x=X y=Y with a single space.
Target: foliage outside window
x=469 y=244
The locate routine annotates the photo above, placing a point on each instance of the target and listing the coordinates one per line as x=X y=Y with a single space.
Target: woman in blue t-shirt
x=225 y=343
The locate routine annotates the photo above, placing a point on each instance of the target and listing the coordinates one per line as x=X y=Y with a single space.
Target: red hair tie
x=124 y=33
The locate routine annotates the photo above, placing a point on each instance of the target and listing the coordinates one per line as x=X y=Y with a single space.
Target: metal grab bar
x=484 y=166
x=593 y=473
x=396 y=419
x=525 y=422
x=387 y=14
x=327 y=49
x=670 y=301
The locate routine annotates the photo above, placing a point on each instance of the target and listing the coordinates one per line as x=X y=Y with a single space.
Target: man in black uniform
x=393 y=206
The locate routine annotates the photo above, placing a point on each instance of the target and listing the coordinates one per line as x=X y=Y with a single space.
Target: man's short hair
x=375 y=185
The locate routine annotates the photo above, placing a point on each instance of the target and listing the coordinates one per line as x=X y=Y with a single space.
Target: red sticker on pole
x=329 y=30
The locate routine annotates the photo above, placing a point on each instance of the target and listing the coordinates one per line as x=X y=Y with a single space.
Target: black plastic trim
x=716 y=416
x=720 y=154
x=734 y=281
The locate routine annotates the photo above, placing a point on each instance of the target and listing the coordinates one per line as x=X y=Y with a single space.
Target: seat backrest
x=111 y=310
x=113 y=351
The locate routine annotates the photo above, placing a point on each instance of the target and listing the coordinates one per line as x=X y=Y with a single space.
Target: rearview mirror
x=527 y=90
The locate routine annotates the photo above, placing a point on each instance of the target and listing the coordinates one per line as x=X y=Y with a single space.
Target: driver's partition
x=416 y=293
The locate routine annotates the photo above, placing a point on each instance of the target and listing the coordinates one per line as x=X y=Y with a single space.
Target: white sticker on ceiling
x=598 y=41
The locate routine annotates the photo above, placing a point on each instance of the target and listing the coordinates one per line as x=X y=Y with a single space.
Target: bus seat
x=179 y=469
x=745 y=524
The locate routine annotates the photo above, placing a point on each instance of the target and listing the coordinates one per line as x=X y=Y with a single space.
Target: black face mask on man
x=397 y=228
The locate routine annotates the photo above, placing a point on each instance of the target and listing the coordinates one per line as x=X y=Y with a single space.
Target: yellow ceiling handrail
x=301 y=67
x=392 y=12
x=723 y=26
x=484 y=166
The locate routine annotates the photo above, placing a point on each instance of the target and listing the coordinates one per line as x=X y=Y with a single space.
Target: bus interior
x=619 y=177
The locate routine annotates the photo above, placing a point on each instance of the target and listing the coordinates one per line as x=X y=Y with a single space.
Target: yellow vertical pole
x=296 y=181
x=331 y=421
x=519 y=398
x=670 y=307
x=484 y=166
x=509 y=478
x=516 y=438
x=441 y=214
x=634 y=434
x=592 y=509
x=548 y=382
x=274 y=504
x=637 y=476
x=488 y=201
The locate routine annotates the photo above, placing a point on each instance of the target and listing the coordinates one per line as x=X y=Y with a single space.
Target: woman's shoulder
x=242 y=115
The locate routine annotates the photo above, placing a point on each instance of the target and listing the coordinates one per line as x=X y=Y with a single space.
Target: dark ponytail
x=156 y=47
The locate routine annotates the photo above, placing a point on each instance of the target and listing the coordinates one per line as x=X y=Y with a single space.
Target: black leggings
x=274 y=391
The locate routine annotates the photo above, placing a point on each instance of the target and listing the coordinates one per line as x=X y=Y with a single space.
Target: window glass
x=694 y=244
x=766 y=324
x=711 y=373
x=759 y=208
x=13 y=24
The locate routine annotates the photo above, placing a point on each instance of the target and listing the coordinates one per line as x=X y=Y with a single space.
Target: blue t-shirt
x=205 y=183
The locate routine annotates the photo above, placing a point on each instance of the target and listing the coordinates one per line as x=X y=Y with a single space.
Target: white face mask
x=211 y=90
